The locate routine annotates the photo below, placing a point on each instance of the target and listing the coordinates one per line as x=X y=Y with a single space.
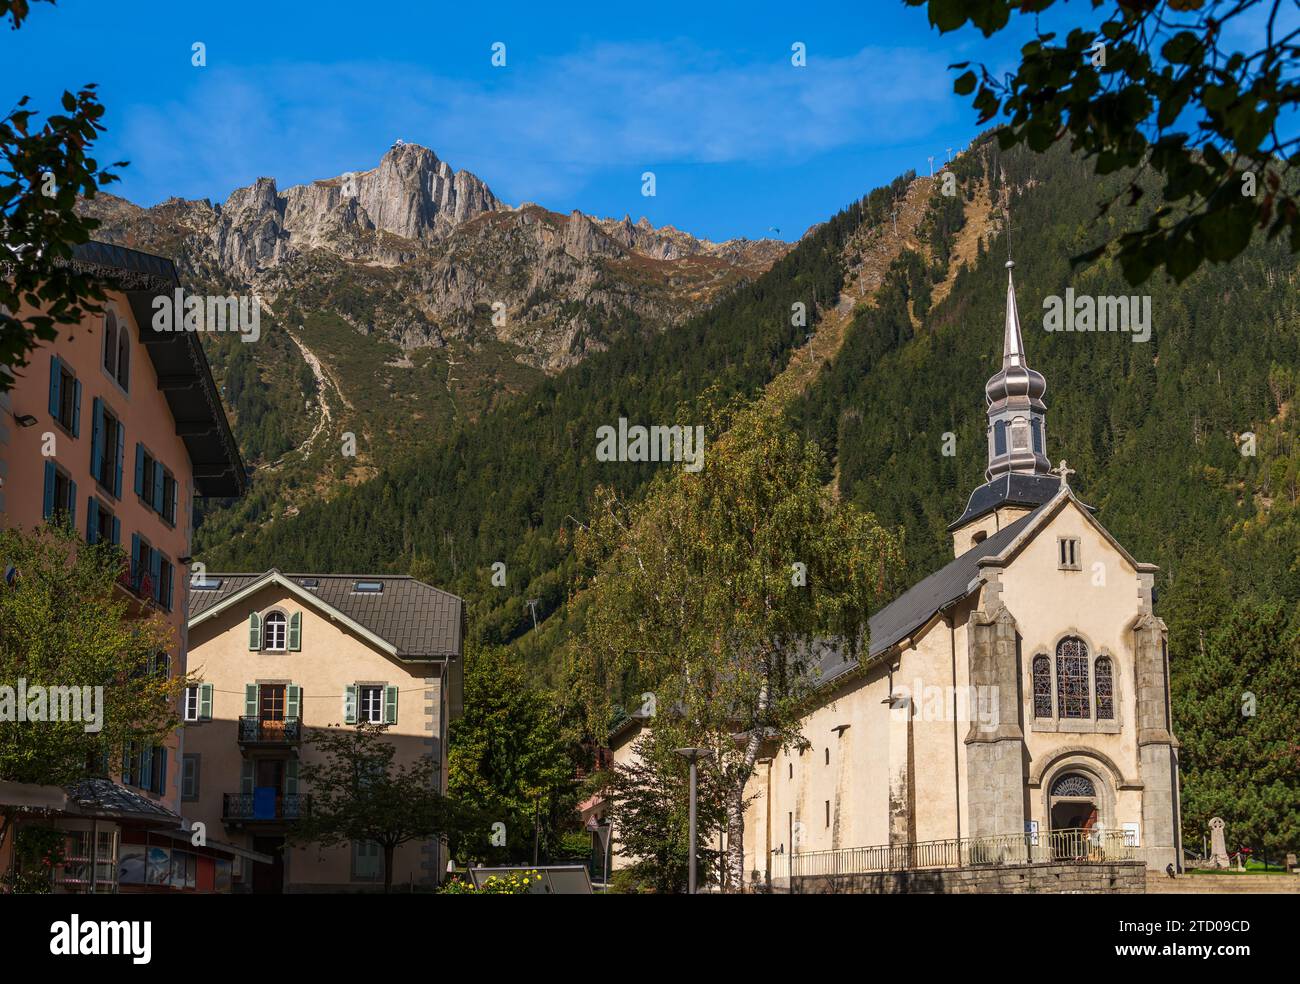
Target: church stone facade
x=1021 y=689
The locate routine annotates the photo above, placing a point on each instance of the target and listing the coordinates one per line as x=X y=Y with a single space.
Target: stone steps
x=1158 y=883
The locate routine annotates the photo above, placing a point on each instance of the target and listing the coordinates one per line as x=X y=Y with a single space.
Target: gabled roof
x=408 y=619
x=184 y=375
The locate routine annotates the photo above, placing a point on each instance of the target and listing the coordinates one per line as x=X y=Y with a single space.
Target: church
x=1021 y=690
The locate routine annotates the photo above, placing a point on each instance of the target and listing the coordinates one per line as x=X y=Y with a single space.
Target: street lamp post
x=693 y=755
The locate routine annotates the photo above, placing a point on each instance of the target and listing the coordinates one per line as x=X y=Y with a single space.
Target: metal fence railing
x=1076 y=846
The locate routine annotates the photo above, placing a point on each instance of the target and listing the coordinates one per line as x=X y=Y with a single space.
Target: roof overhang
x=184 y=375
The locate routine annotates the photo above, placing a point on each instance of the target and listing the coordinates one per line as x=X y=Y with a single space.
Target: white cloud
x=534 y=130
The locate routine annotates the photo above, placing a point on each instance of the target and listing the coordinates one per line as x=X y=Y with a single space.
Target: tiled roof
x=417 y=619
x=105 y=798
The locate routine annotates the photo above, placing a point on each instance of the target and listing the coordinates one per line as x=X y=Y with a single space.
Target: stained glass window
x=1072 y=678
x=1042 y=686
x=1105 y=690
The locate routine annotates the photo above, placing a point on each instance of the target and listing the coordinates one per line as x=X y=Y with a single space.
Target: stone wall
x=1118 y=877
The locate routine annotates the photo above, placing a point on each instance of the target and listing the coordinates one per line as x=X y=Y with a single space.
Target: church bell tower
x=1018 y=476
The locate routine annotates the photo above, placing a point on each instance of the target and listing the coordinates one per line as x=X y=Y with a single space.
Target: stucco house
x=278 y=655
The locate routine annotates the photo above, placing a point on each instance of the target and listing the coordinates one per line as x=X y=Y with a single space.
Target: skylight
x=368 y=587
x=206 y=584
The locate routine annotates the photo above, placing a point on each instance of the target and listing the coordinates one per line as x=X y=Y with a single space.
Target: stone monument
x=1218 y=847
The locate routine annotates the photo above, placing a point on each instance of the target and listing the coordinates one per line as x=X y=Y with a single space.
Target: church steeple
x=1019 y=476
x=1017 y=431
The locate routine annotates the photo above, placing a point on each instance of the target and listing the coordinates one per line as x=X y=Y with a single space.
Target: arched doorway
x=1074 y=810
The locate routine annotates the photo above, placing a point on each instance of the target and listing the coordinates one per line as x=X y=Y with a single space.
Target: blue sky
x=702 y=94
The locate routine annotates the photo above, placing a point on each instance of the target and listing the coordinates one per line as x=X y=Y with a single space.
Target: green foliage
x=509 y=758
x=37 y=852
x=649 y=807
x=46 y=166
x=64 y=623
x=514 y=883
x=1236 y=710
x=359 y=793
x=714 y=587
x=1159 y=86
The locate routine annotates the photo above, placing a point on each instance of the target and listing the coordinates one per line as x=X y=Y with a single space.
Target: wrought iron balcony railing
x=1045 y=847
x=265 y=807
x=257 y=731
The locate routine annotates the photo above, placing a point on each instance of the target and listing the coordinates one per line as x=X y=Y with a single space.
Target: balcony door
x=270 y=711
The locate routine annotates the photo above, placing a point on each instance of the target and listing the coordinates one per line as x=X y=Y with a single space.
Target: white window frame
x=363 y=713
x=282 y=621
x=191 y=709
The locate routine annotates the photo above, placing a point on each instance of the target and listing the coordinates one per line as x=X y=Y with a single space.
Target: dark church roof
x=915 y=606
x=1010 y=489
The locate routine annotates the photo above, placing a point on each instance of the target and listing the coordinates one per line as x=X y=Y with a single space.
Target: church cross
x=1065 y=471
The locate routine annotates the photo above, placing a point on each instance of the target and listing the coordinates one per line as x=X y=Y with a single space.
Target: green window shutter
x=254 y=631
x=350 y=704
x=293 y=702
x=250 y=700
x=205 y=702
x=390 y=705
x=295 y=632
x=291 y=778
x=246 y=778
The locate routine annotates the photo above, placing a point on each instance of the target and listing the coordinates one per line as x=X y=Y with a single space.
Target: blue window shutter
x=92 y=519
x=146 y=767
x=121 y=447
x=76 y=408
x=47 y=508
x=97 y=437
x=175 y=514
x=155 y=573
x=117 y=531
x=162 y=772
x=139 y=468
x=157 y=487
x=54 y=387
x=72 y=504
x=135 y=557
